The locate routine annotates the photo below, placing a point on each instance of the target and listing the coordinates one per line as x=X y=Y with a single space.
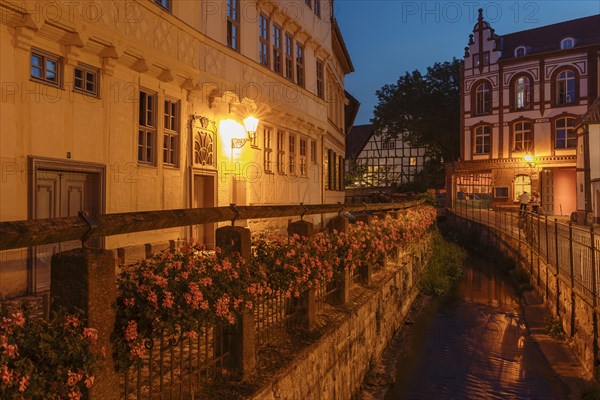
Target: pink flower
x=23 y=383
x=89 y=381
x=18 y=319
x=73 y=378
x=7 y=375
x=75 y=395
x=168 y=300
x=90 y=334
x=131 y=331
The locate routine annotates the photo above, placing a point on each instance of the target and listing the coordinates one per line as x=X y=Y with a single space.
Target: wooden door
x=547 y=189
x=204 y=196
x=60 y=194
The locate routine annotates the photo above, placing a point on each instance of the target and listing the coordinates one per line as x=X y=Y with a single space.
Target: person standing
x=535 y=202
x=523 y=201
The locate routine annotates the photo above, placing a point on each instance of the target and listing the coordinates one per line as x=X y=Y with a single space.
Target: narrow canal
x=473 y=345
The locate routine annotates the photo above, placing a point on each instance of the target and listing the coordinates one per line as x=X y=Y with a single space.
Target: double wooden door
x=60 y=194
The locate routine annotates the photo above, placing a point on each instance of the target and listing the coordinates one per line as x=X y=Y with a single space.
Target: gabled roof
x=356 y=140
x=592 y=116
x=350 y=111
x=547 y=38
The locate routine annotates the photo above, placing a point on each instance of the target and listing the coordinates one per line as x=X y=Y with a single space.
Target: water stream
x=474 y=345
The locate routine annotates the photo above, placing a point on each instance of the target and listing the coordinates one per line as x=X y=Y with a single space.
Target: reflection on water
x=474 y=345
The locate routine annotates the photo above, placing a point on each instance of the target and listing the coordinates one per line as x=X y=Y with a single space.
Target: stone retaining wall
x=335 y=366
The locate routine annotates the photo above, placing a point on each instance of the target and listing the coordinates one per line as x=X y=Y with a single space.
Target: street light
x=250 y=124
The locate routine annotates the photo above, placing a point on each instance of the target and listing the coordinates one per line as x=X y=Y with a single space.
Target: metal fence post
x=539 y=240
x=572 y=272
x=557 y=267
x=594 y=302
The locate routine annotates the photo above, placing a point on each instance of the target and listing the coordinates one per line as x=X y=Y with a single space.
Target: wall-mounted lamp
x=530 y=160
x=250 y=124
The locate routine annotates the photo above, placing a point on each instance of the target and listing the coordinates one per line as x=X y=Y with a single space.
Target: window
x=326 y=176
x=501 y=193
x=521 y=184
x=486 y=58
x=166 y=4
x=523 y=139
x=565 y=135
x=299 y=64
x=147 y=127
x=522 y=93
x=388 y=144
x=233 y=24
x=520 y=51
x=277 y=53
x=565 y=87
x=476 y=61
x=320 y=80
x=413 y=161
x=280 y=152
x=292 y=156
x=289 y=57
x=317 y=8
x=263 y=34
x=482 y=99
x=340 y=171
x=171 y=133
x=268 y=149
x=302 y=165
x=86 y=80
x=308 y=3
x=313 y=151
x=567 y=43
x=482 y=139
x=45 y=67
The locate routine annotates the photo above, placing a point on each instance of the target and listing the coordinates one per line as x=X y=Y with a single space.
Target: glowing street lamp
x=251 y=125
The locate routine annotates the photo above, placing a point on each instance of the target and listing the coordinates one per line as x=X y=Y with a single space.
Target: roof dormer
x=567 y=43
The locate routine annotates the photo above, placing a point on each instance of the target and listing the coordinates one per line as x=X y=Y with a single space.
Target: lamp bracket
x=238 y=143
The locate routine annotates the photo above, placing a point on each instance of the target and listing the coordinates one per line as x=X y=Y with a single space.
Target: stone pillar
x=343 y=288
x=364 y=218
x=366 y=273
x=301 y=228
x=232 y=239
x=236 y=239
x=85 y=279
x=308 y=303
x=380 y=215
x=339 y=224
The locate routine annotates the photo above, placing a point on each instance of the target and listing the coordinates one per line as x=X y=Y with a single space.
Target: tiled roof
x=592 y=116
x=357 y=139
x=585 y=31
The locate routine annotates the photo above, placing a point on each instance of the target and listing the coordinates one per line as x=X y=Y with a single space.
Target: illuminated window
x=268 y=150
x=521 y=184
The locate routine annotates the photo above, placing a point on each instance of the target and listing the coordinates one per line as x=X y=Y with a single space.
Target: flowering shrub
x=169 y=293
x=45 y=359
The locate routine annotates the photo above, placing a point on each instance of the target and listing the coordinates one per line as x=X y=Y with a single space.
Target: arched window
x=483 y=139
x=520 y=51
x=565 y=87
x=483 y=97
x=521 y=184
x=523 y=93
x=567 y=43
x=523 y=138
x=565 y=136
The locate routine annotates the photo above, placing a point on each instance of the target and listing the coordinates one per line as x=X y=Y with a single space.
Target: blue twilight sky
x=385 y=38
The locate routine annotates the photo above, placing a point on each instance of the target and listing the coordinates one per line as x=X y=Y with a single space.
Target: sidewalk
x=559 y=354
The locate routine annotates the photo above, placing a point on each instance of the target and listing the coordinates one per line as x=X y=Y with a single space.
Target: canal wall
x=334 y=367
x=561 y=295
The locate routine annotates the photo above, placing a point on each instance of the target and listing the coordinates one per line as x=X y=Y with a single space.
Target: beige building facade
x=112 y=107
